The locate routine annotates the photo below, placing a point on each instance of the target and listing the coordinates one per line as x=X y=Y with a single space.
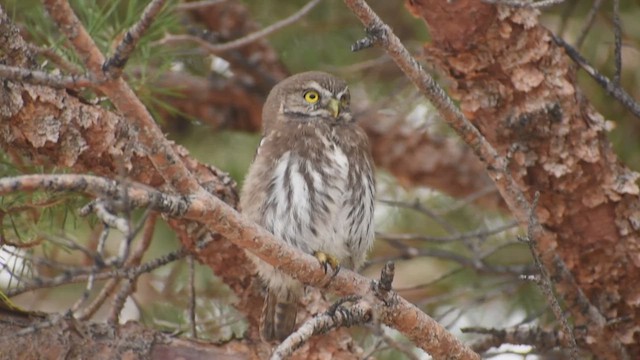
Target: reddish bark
x=417 y=158
x=520 y=90
x=54 y=127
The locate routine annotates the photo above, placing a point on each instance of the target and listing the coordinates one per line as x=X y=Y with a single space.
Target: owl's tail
x=278 y=315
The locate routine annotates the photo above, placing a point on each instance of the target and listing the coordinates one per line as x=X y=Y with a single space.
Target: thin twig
x=617 y=32
x=406 y=349
x=546 y=284
x=119 y=300
x=109 y=219
x=588 y=23
x=417 y=206
x=193 y=5
x=102 y=242
x=356 y=314
x=448 y=239
x=543 y=340
x=192 y=297
x=37 y=77
x=610 y=87
x=434 y=281
x=116 y=63
x=82 y=274
x=85 y=293
x=477 y=263
x=565 y=16
x=525 y=3
x=134 y=260
x=52 y=55
x=460 y=203
x=245 y=40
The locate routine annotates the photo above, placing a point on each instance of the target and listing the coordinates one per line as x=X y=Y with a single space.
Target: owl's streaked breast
x=313 y=202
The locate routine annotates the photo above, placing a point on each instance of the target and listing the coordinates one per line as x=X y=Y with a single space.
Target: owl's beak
x=334 y=106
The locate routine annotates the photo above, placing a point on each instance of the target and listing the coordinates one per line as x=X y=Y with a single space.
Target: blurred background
x=455 y=246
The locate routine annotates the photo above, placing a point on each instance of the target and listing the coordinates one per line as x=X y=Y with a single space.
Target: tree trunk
x=519 y=88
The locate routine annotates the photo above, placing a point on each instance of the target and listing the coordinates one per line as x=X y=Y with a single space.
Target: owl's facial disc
x=316 y=101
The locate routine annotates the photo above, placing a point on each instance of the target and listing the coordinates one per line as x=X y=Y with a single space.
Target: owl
x=311 y=185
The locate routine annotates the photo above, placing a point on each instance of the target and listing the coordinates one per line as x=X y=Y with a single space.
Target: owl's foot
x=326 y=261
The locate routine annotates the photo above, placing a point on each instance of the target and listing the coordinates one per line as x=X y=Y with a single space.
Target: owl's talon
x=327 y=261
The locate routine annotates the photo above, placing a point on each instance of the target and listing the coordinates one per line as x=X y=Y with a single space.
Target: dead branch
x=588 y=23
x=546 y=283
x=543 y=340
x=95 y=341
x=197 y=4
x=133 y=260
x=357 y=314
x=611 y=87
x=160 y=152
x=380 y=34
x=83 y=274
x=617 y=34
x=393 y=310
x=43 y=78
x=566 y=176
x=244 y=41
x=114 y=66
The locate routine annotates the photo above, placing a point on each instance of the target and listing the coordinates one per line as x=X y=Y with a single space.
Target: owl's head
x=308 y=96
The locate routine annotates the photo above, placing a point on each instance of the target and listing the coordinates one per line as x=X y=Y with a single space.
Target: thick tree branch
x=103 y=341
x=393 y=311
x=520 y=90
x=55 y=128
x=160 y=152
x=380 y=33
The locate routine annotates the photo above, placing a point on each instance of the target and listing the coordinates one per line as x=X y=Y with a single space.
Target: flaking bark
x=520 y=90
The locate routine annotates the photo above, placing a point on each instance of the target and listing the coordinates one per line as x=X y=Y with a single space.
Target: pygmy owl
x=311 y=185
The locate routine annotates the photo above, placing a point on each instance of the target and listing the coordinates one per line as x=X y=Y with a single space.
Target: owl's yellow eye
x=312 y=96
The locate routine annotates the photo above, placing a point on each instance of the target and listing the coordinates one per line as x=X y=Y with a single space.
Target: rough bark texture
x=520 y=90
x=70 y=339
x=54 y=128
x=44 y=126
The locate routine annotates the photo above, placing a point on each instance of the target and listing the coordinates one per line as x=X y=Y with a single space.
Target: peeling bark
x=49 y=127
x=520 y=90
